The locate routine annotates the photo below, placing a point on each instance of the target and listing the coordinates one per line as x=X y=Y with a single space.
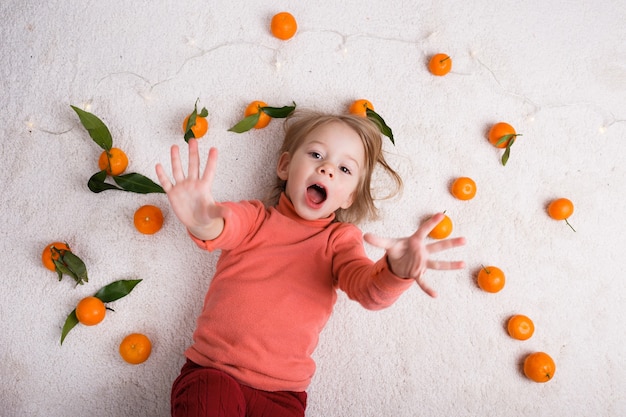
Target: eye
x=346 y=170
x=315 y=155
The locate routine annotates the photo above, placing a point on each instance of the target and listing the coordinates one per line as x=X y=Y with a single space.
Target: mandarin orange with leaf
x=90 y=311
x=503 y=135
x=463 y=188
x=500 y=134
x=53 y=252
x=148 y=219
x=255 y=107
x=283 y=25
x=491 y=279
x=520 y=327
x=114 y=161
x=200 y=127
x=135 y=348
x=539 y=367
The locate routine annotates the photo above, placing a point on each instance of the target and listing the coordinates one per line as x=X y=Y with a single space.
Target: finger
x=445 y=265
x=193 y=170
x=426 y=288
x=379 y=242
x=445 y=244
x=163 y=179
x=177 y=170
x=209 y=170
x=427 y=227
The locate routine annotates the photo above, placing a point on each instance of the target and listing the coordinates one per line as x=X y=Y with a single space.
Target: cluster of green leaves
x=510 y=139
x=101 y=135
x=249 y=122
x=106 y=294
x=67 y=263
x=191 y=122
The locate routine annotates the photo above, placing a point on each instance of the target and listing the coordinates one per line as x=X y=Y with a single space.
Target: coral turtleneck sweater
x=274 y=289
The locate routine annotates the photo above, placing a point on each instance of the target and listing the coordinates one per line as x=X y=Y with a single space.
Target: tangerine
x=359 y=107
x=463 y=188
x=53 y=252
x=254 y=108
x=443 y=229
x=199 y=129
x=561 y=209
x=539 y=367
x=114 y=161
x=440 y=64
x=148 y=219
x=491 y=279
x=520 y=327
x=283 y=25
x=135 y=348
x=90 y=311
x=502 y=135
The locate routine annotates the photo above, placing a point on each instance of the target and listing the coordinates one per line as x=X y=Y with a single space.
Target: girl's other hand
x=410 y=257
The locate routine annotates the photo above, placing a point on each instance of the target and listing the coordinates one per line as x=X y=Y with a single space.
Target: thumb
x=379 y=242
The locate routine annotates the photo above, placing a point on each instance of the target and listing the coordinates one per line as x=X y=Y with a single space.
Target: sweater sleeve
x=245 y=217
x=370 y=283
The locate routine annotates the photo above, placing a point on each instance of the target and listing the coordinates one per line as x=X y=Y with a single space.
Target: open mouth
x=316 y=193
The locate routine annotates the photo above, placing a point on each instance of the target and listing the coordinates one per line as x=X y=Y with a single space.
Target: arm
x=410 y=257
x=191 y=197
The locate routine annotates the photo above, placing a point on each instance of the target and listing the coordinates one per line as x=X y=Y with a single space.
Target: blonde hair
x=302 y=122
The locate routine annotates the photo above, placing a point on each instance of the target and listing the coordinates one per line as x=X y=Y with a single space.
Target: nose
x=326 y=169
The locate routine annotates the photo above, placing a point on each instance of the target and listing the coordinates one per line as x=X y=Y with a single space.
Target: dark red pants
x=208 y=392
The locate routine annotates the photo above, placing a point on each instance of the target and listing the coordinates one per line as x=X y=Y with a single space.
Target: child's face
x=323 y=173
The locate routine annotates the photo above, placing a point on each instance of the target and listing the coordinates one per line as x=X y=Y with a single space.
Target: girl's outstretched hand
x=410 y=257
x=191 y=197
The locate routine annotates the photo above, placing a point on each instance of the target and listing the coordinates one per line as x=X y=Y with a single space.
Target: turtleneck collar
x=286 y=208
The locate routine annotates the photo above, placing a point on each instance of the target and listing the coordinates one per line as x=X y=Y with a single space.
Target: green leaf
x=384 y=129
x=191 y=122
x=204 y=112
x=96 y=128
x=189 y=133
x=109 y=293
x=507 y=151
x=137 y=183
x=278 y=112
x=246 y=124
x=504 y=139
x=132 y=182
x=76 y=266
x=116 y=290
x=61 y=268
x=67 y=263
x=70 y=323
x=96 y=183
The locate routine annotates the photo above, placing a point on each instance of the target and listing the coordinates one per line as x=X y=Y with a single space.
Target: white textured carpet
x=555 y=70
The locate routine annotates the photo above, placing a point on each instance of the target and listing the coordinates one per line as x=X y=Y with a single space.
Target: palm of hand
x=410 y=257
x=191 y=196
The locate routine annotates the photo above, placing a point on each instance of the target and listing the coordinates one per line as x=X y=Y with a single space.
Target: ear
x=282 y=168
